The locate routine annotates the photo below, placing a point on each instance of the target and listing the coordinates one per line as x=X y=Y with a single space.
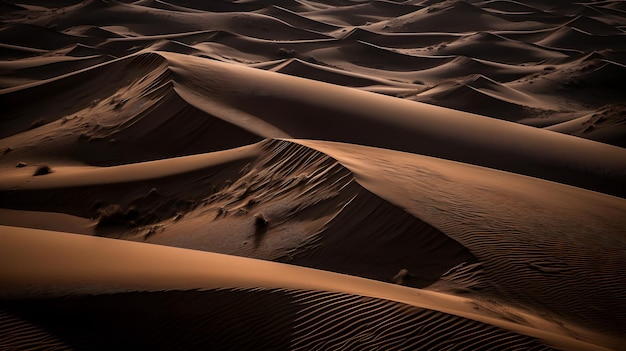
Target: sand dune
x=343 y=220
x=198 y=87
x=297 y=175
x=598 y=33
x=462 y=65
x=575 y=38
x=502 y=50
x=481 y=95
x=604 y=126
x=456 y=16
x=294 y=298
x=481 y=218
x=278 y=186
x=331 y=75
x=31 y=70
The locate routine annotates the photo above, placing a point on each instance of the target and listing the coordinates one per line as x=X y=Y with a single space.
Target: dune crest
x=185 y=270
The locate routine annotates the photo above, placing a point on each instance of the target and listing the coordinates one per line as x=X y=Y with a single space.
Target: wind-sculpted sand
x=312 y=175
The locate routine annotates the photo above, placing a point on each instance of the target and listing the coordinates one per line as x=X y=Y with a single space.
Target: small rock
x=260 y=221
x=43 y=170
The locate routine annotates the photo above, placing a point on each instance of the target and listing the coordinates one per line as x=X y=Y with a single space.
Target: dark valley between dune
x=312 y=175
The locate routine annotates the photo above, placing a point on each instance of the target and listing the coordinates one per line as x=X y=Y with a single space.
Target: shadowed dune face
x=472 y=151
x=266 y=319
x=393 y=46
x=291 y=204
x=181 y=99
x=531 y=239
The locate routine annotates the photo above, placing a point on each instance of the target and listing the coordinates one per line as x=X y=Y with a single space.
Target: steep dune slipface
x=249 y=104
x=277 y=200
x=299 y=206
x=306 y=109
x=326 y=205
x=535 y=240
x=126 y=104
x=383 y=40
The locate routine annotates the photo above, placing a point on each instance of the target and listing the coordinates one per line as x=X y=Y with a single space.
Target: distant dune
x=312 y=175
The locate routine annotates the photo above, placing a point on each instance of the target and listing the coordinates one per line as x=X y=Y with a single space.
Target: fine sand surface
x=312 y=175
x=288 y=307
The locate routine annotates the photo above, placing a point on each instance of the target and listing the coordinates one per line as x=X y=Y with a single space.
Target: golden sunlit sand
x=312 y=175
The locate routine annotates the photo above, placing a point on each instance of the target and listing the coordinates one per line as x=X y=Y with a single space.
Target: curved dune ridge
x=312 y=175
x=282 y=201
x=516 y=235
x=281 y=319
x=398 y=41
x=249 y=109
x=291 y=204
x=353 y=311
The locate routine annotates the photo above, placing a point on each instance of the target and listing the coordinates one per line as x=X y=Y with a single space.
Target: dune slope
x=245 y=99
x=294 y=297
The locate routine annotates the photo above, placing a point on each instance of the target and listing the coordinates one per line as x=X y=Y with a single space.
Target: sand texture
x=312 y=175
